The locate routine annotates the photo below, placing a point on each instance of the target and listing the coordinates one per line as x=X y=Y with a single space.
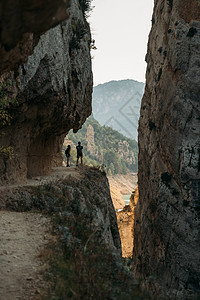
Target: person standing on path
x=67 y=153
x=79 y=149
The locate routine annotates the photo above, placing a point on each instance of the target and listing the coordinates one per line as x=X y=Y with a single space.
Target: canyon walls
x=167 y=220
x=49 y=95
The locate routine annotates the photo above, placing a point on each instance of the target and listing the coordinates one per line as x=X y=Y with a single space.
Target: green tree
x=86 y=7
x=106 y=139
x=109 y=172
x=5 y=118
x=112 y=168
x=124 y=167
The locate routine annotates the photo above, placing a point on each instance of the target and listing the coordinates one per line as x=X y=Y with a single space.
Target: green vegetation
x=4 y=104
x=86 y=7
x=106 y=148
x=5 y=118
x=79 y=29
x=79 y=263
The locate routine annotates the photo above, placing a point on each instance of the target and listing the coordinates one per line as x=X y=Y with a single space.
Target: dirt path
x=56 y=173
x=21 y=237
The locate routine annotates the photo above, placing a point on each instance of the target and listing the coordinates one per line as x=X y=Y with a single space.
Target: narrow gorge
x=46 y=89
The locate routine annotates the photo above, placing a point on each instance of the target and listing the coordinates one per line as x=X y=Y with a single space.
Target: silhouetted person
x=67 y=153
x=79 y=149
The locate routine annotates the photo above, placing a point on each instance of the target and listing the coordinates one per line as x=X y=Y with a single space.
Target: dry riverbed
x=121 y=185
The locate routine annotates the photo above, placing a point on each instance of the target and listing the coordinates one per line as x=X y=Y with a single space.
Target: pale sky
x=120 y=29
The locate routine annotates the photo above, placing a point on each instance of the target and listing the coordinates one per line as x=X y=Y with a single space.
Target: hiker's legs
x=77 y=161
x=67 y=161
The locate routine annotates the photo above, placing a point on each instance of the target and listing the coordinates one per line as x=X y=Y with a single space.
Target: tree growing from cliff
x=5 y=117
x=86 y=7
x=111 y=169
x=4 y=103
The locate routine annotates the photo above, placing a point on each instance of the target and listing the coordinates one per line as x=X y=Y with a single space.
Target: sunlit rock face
x=167 y=221
x=125 y=220
x=53 y=91
x=22 y=22
x=90 y=141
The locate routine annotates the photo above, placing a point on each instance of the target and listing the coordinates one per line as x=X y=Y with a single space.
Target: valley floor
x=124 y=185
x=121 y=185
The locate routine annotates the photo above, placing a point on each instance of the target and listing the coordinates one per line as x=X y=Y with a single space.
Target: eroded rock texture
x=22 y=21
x=167 y=222
x=85 y=228
x=84 y=190
x=125 y=221
x=53 y=91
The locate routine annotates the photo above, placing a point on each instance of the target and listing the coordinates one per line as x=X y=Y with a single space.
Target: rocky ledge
x=85 y=191
x=46 y=97
x=86 y=254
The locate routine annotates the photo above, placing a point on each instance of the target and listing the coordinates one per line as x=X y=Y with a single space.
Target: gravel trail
x=22 y=235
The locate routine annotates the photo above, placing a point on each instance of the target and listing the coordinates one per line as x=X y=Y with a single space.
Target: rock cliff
x=22 y=22
x=90 y=141
x=125 y=220
x=123 y=148
x=126 y=153
x=167 y=222
x=84 y=258
x=52 y=93
x=84 y=190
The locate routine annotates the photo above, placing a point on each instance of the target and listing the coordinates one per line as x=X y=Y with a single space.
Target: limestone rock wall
x=125 y=152
x=167 y=221
x=83 y=191
x=53 y=94
x=22 y=21
x=125 y=220
x=86 y=237
x=90 y=141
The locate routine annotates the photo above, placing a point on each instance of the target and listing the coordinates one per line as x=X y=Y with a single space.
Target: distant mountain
x=103 y=145
x=117 y=104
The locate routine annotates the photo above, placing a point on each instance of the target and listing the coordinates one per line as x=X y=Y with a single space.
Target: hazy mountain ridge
x=117 y=104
